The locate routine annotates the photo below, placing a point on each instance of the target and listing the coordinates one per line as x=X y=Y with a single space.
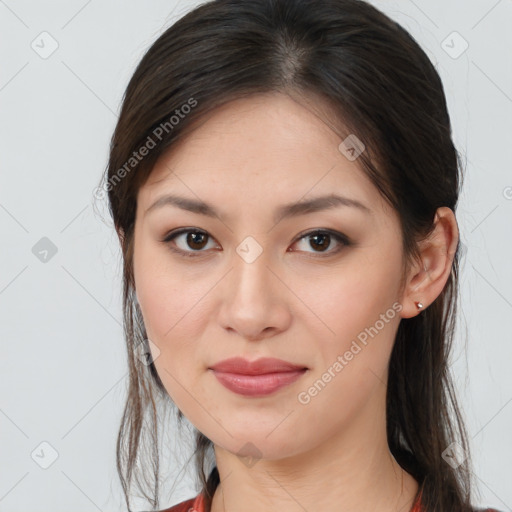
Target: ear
x=427 y=277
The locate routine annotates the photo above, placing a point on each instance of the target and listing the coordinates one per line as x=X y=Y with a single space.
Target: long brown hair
x=375 y=77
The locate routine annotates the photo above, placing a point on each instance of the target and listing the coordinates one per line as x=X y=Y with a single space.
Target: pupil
x=191 y=241
x=324 y=237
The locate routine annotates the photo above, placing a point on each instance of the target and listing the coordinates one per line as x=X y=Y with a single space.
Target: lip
x=257 y=378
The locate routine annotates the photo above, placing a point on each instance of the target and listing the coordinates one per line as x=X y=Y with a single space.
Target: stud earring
x=419 y=305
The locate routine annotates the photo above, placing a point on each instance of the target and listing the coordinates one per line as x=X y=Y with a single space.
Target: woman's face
x=250 y=283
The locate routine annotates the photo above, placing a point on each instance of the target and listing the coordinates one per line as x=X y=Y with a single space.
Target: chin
x=256 y=445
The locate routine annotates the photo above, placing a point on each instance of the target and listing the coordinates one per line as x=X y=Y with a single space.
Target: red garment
x=192 y=505
x=197 y=505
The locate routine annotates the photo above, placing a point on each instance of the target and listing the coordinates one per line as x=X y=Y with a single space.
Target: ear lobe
x=427 y=277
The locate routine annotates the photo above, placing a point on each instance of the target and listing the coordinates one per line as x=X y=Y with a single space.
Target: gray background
x=63 y=373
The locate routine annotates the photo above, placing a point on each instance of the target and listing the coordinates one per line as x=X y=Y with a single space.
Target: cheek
x=167 y=298
x=346 y=302
x=360 y=315
x=173 y=313
x=174 y=317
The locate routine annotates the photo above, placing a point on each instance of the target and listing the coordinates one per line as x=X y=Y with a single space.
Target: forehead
x=269 y=148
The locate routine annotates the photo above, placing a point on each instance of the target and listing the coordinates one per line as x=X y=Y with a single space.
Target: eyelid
x=322 y=231
x=341 y=238
x=169 y=237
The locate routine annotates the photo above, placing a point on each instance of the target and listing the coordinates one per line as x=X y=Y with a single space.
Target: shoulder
x=191 y=505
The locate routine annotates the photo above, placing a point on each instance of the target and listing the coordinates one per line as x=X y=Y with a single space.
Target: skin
x=299 y=301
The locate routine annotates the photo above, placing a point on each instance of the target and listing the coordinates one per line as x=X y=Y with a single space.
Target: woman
x=283 y=182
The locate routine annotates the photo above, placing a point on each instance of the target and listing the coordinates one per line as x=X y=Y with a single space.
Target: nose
x=256 y=302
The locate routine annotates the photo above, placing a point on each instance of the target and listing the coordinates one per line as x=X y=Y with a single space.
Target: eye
x=321 y=239
x=197 y=239
x=194 y=239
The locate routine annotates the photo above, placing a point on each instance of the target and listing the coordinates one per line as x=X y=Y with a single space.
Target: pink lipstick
x=258 y=378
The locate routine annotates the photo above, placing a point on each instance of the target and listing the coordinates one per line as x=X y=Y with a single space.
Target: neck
x=353 y=471
x=393 y=491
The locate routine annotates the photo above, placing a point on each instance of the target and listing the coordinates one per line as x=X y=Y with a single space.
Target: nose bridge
x=251 y=277
x=251 y=297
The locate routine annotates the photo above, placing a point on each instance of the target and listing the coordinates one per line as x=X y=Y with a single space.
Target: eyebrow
x=316 y=204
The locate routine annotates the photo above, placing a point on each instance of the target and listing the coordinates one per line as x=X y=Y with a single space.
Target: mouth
x=258 y=378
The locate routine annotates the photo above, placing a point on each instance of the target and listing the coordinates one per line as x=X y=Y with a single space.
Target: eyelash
x=339 y=237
